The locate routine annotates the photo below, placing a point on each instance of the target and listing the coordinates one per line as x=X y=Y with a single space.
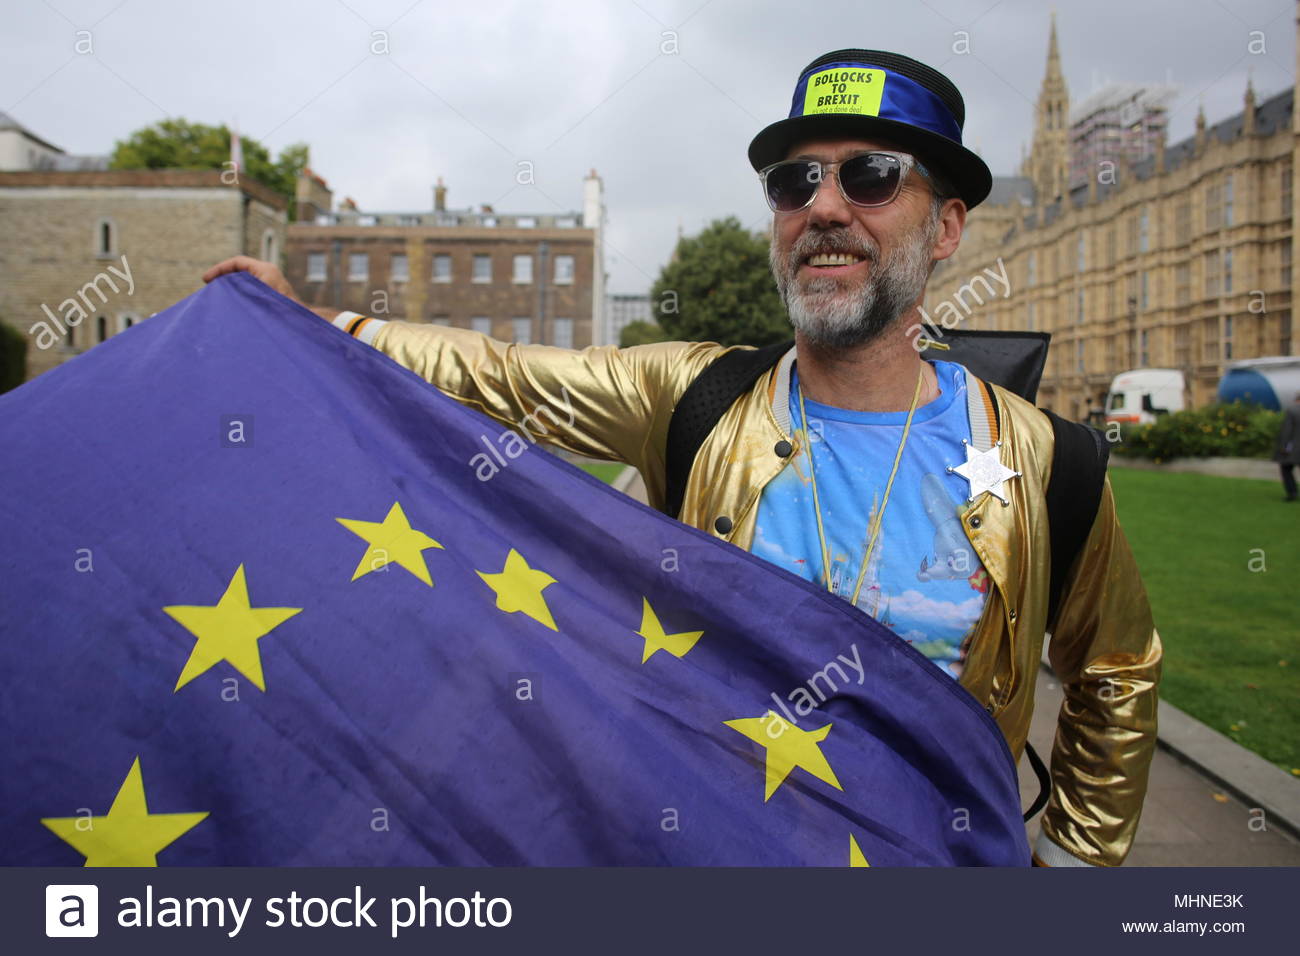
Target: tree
x=640 y=333
x=13 y=357
x=178 y=144
x=718 y=288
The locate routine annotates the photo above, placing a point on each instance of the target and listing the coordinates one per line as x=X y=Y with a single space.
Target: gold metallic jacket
x=1105 y=649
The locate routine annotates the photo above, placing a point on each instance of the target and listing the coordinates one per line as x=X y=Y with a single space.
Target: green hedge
x=13 y=357
x=1232 y=430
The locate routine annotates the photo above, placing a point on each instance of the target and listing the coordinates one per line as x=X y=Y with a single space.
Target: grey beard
x=831 y=316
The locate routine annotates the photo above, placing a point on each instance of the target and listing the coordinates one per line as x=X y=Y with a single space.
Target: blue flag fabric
x=261 y=607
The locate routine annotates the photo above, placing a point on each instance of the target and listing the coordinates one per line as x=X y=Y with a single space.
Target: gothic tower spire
x=1048 y=164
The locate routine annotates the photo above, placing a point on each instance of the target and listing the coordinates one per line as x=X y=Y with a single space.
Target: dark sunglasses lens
x=871 y=180
x=791 y=185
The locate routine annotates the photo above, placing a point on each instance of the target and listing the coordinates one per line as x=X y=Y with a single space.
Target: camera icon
x=71 y=909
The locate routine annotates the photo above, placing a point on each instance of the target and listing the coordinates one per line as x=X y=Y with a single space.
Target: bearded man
x=911 y=488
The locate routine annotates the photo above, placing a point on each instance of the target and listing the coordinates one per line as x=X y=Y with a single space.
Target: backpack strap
x=705 y=400
x=1079 y=460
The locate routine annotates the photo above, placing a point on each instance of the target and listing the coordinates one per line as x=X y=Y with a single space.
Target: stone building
x=66 y=232
x=87 y=252
x=515 y=276
x=1181 y=258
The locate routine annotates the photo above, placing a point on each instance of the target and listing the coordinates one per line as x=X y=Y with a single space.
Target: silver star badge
x=985 y=471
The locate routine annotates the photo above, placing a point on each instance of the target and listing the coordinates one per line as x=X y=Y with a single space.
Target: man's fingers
x=235 y=264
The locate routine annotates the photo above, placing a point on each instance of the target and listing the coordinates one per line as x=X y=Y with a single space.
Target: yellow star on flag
x=856 y=856
x=655 y=638
x=391 y=540
x=228 y=632
x=129 y=835
x=519 y=588
x=787 y=747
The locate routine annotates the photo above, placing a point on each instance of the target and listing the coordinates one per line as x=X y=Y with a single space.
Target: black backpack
x=1013 y=360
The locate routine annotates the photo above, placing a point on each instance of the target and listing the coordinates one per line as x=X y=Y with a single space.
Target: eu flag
x=260 y=607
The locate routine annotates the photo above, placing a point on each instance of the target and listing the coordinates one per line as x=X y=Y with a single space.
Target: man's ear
x=952 y=220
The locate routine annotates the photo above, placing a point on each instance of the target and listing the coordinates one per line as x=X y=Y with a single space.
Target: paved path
x=1186 y=820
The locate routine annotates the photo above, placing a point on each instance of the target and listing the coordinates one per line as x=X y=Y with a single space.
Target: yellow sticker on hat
x=841 y=90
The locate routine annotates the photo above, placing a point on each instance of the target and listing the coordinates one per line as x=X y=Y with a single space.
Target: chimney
x=439 y=197
x=1200 y=129
x=1248 y=116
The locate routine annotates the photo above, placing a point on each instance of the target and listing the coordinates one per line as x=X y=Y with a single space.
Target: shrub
x=1233 y=430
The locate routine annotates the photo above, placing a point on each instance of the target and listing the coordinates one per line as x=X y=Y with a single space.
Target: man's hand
x=265 y=271
x=269 y=273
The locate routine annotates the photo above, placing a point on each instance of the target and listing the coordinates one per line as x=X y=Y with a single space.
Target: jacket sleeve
x=603 y=402
x=1107 y=654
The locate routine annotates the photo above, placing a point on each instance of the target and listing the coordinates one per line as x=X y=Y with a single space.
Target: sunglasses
x=869 y=179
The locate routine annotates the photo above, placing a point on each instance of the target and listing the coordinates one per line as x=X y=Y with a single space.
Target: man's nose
x=829 y=207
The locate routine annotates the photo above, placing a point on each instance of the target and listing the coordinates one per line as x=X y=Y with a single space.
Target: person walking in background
x=1288 y=447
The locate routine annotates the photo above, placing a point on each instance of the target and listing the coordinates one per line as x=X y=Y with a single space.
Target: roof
x=8 y=122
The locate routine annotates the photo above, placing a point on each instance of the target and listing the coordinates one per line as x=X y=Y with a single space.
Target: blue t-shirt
x=924 y=580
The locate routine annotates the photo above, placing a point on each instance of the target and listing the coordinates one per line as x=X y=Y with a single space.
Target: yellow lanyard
x=874 y=526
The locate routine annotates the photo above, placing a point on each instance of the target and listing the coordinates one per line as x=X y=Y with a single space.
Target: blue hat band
x=858 y=89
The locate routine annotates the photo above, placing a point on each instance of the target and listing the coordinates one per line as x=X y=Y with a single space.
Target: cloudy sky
x=661 y=97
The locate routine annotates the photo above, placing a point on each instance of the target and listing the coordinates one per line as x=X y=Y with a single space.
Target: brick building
x=515 y=276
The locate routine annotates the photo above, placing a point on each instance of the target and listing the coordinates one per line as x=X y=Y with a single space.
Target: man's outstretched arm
x=1107 y=654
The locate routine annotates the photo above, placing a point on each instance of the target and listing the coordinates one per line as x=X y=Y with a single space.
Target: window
x=564 y=270
x=1286 y=190
x=1285 y=272
x=526 y=222
x=1081 y=253
x=1211 y=261
x=1144 y=232
x=1182 y=283
x=482 y=269
x=565 y=222
x=489 y=221
x=105 y=239
x=367 y=220
x=1111 y=241
x=1227 y=338
x=1182 y=345
x=408 y=220
x=521 y=330
x=481 y=323
x=1078 y=355
x=399 y=268
x=1227 y=201
x=1030 y=263
x=101 y=329
x=1227 y=271
x=1029 y=316
x=442 y=268
x=523 y=271
x=562 y=330
x=1146 y=349
x=1132 y=238
x=358 y=266
x=1183 y=220
x=1144 y=296
x=1078 y=307
x=126 y=320
x=268 y=246
x=315 y=267
x=1213 y=207
x=1210 y=340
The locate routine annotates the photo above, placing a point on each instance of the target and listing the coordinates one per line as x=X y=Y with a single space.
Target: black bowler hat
x=875 y=94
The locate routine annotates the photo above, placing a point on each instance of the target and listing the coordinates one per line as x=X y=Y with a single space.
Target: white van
x=1140 y=395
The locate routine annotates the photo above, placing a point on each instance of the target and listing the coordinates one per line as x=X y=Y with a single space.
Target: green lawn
x=606 y=471
x=1231 y=634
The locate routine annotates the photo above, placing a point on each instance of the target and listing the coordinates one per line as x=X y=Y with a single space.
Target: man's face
x=840 y=302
